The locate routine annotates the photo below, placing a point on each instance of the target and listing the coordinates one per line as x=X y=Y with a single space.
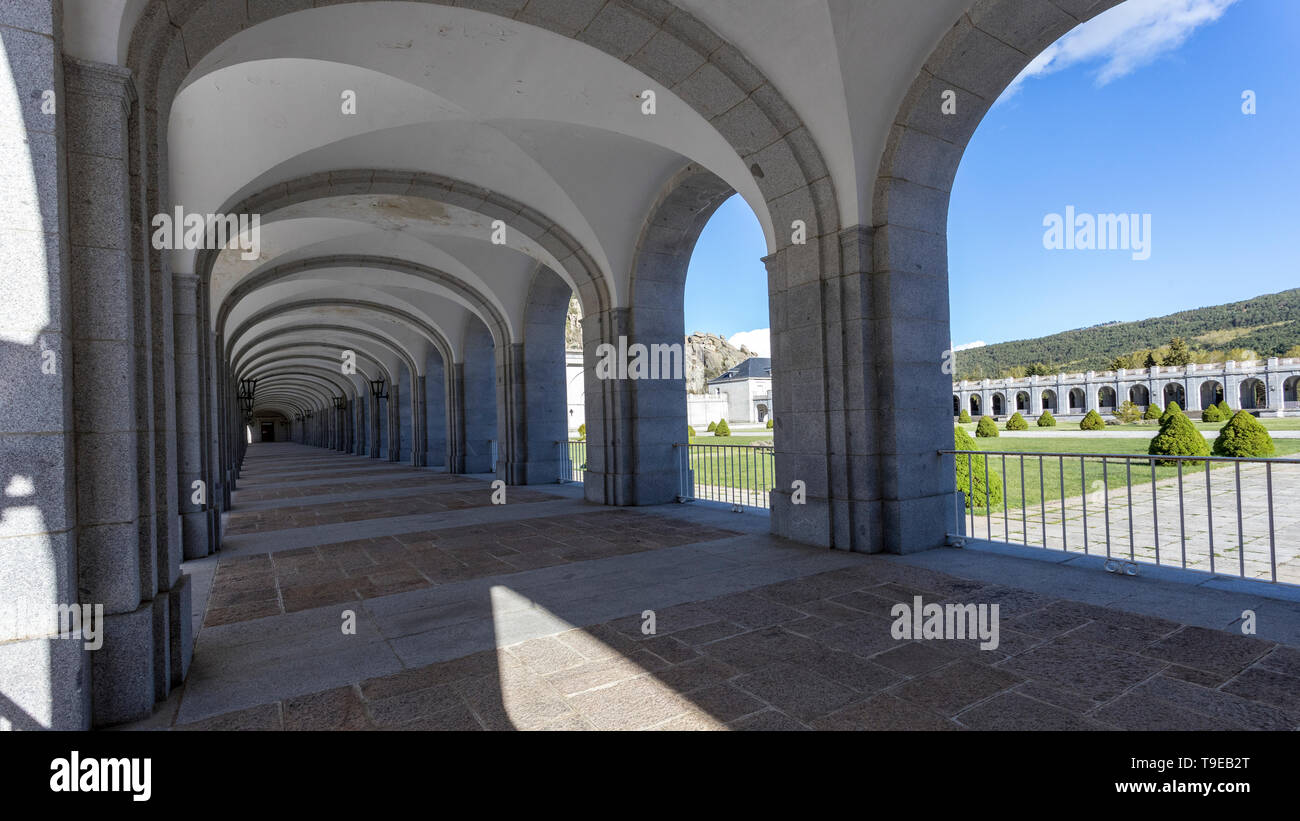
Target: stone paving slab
x=751 y=632
x=773 y=658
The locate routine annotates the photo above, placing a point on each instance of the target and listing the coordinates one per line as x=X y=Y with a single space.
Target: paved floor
x=357 y=594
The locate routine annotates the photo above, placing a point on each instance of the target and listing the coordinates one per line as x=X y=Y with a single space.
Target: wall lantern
x=377 y=388
x=246 y=388
x=340 y=403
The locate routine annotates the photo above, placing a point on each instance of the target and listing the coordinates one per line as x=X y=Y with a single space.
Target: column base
x=45 y=684
x=122 y=670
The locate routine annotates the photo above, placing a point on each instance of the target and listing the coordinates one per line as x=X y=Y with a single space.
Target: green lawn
x=746 y=467
x=1051 y=477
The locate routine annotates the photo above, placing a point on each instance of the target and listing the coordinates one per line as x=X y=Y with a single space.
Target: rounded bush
x=1212 y=414
x=712 y=426
x=1092 y=421
x=1244 y=435
x=1172 y=410
x=690 y=432
x=1178 y=437
x=1047 y=420
x=1225 y=410
x=1153 y=411
x=769 y=424
x=964 y=417
x=976 y=490
x=1017 y=422
x=582 y=431
x=987 y=428
x=722 y=429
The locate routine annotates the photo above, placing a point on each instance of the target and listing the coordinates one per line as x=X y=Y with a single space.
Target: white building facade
x=1269 y=387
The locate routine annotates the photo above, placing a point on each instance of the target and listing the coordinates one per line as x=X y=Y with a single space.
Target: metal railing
x=1217 y=515
x=738 y=475
x=573 y=460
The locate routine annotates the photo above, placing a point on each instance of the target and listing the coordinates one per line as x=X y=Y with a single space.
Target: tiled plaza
x=533 y=615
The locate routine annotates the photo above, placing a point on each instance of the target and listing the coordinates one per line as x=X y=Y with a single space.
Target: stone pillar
x=909 y=332
x=395 y=421
x=536 y=400
x=480 y=385
x=419 y=422
x=372 y=419
x=456 y=420
x=189 y=454
x=435 y=411
x=44 y=679
x=114 y=568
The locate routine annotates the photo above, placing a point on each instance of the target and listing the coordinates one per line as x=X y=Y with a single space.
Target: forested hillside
x=1265 y=326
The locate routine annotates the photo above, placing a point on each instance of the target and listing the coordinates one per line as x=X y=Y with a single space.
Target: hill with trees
x=1265 y=326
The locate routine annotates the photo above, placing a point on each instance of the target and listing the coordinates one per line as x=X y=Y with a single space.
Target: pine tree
x=1244 y=435
x=1178 y=437
x=1092 y=421
x=1178 y=354
x=977 y=493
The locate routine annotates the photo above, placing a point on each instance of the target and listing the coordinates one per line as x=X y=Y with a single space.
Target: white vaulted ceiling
x=544 y=120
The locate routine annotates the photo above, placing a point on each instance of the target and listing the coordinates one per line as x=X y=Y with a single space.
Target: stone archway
x=1253 y=394
x=1174 y=392
x=1211 y=393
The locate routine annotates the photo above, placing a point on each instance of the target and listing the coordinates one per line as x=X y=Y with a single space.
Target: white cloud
x=759 y=341
x=1124 y=39
x=966 y=347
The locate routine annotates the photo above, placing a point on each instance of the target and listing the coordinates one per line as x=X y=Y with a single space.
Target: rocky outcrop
x=708 y=356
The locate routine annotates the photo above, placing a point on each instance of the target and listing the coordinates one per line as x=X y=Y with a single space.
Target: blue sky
x=1137 y=111
x=726 y=282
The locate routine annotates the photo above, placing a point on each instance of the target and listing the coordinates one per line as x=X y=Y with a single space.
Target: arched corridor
x=304 y=270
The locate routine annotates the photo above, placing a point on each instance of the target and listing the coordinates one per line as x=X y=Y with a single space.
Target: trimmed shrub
x=769 y=423
x=1092 y=421
x=987 y=428
x=713 y=426
x=1212 y=414
x=1017 y=422
x=964 y=417
x=1047 y=420
x=722 y=429
x=967 y=465
x=1172 y=410
x=1178 y=437
x=690 y=432
x=1244 y=435
x=1153 y=412
x=582 y=431
x=1127 y=412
